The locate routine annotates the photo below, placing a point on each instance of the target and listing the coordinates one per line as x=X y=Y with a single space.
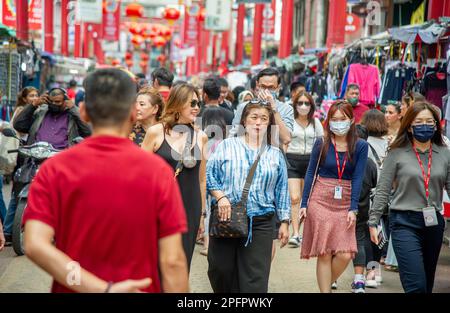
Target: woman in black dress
x=169 y=139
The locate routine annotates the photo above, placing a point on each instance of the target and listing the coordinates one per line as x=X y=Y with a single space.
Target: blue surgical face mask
x=340 y=128
x=423 y=132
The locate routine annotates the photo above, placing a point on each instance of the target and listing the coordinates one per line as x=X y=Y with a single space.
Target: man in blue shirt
x=267 y=88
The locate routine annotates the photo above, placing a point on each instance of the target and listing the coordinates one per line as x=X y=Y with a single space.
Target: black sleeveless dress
x=189 y=183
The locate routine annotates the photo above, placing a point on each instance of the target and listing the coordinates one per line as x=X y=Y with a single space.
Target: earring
x=177 y=116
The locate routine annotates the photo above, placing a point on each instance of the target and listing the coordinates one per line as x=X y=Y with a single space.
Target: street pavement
x=288 y=273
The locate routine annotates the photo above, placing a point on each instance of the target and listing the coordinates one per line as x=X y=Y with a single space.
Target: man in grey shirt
x=267 y=88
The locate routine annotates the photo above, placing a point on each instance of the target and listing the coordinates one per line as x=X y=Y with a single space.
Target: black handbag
x=237 y=226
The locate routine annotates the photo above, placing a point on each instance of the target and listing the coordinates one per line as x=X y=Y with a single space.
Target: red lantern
x=134 y=10
x=177 y=42
x=171 y=15
x=129 y=63
x=161 y=58
x=137 y=40
x=115 y=62
x=128 y=56
x=143 y=64
x=145 y=57
x=202 y=15
x=159 y=41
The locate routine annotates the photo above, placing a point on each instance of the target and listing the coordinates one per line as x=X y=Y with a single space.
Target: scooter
x=36 y=154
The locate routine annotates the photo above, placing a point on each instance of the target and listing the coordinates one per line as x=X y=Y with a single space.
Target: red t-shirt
x=359 y=111
x=109 y=203
x=165 y=94
x=71 y=94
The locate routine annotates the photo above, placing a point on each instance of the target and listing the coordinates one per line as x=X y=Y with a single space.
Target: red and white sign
x=111 y=20
x=353 y=23
x=269 y=18
x=190 y=33
x=34 y=13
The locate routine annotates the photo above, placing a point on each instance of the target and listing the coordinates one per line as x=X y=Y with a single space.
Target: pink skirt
x=325 y=228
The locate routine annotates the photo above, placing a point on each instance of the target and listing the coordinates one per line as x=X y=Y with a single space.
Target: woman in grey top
x=418 y=168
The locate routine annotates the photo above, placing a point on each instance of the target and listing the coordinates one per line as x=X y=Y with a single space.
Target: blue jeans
x=9 y=220
x=417 y=249
x=2 y=202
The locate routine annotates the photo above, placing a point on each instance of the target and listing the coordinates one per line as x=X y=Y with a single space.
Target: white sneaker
x=378 y=279
x=295 y=241
x=372 y=283
x=334 y=285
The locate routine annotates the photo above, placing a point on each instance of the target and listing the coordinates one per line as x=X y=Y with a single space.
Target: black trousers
x=234 y=268
x=417 y=249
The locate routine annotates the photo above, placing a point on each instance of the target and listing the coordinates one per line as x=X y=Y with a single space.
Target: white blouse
x=303 y=138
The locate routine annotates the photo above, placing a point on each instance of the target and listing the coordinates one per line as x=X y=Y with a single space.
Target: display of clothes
x=6 y=112
x=435 y=85
x=367 y=77
x=318 y=86
x=395 y=81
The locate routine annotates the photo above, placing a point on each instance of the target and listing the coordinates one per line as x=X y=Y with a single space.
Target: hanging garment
x=394 y=83
x=367 y=77
x=434 y=87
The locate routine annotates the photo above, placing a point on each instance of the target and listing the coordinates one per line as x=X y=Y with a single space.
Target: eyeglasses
x=195 y=103
x=299 y=103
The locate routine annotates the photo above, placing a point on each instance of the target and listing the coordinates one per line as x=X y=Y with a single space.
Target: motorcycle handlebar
x=13 y=151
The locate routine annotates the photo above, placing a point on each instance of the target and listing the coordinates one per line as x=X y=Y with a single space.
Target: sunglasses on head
x=303 y=103
x=259 y=101
x=195 y=103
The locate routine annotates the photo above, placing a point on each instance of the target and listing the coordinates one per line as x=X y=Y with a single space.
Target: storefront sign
x=253 y=1
x=218 y=15
x=34 y=13
x=190 y=31
x=269 y=18
x=353 y=23
x=111 y=20
x=90 y=11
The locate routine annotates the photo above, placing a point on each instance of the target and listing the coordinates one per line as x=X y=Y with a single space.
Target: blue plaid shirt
x=227 y=171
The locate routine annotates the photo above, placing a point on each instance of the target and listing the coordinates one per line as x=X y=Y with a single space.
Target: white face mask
x=340 y=128
x=303 y=109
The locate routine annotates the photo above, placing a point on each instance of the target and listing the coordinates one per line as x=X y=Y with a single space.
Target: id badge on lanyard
x=429 y=212
x=338 y=190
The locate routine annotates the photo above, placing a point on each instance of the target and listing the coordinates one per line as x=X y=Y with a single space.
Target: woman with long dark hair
x=183 y=146
x=417 y=167
x=243 y=264
x=306 y=130
x=335 y=174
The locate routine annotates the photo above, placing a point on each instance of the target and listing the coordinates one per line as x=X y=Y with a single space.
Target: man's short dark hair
x=253 y=83
x=352 y=86
x=222 y=82
x=164 y=77
x=110 y=95
x=296 y=84
x=211 y=87
x=270 y=71
x=73 y=83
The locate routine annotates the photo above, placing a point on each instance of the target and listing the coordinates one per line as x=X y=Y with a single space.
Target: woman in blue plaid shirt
x=243 y=264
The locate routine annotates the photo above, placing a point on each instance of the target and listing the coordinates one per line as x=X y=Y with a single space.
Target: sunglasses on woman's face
x=195 y=103
x=299 y=103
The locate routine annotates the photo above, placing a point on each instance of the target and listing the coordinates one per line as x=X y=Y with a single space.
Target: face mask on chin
x=55 y=109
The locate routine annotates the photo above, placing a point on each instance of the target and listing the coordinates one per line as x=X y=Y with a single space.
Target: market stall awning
x=5 y=31
x=428 y=33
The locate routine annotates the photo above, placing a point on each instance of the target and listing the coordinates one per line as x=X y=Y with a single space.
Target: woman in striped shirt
x=243 y=264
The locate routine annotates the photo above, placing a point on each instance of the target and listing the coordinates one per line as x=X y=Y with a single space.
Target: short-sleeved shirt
x=109 y=202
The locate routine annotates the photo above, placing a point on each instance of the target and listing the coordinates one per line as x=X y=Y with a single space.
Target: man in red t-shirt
x=114 y=211
x=162 y=80
x=352 y=96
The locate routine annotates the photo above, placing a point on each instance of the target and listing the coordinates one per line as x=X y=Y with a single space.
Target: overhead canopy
x=428 y=33
x=5 y=31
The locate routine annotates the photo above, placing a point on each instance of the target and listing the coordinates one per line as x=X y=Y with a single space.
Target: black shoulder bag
x=237 y=226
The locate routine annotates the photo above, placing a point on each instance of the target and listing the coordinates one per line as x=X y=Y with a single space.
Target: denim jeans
x=2 y=202
x=417 y=248
x=9 y=220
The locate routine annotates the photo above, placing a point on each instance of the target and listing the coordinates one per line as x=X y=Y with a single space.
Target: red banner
x=34 y=13
x=190 y=33
x=111 y=20
x=269 y=18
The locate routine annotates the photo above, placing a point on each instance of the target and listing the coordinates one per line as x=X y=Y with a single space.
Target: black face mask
x=55 y=109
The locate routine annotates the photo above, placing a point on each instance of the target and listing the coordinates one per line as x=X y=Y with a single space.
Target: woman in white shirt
x=306 y=130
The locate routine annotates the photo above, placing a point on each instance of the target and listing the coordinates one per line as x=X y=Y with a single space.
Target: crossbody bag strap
x=186 y=151
x=250 y=176
x=315 y=173
x=375 y=154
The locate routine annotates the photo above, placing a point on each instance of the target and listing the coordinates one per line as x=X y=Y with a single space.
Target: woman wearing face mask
x=418 y=168
x=183 y=146
x=306 y=130
x=330 y=199
x=394 y=119
x=149 y=106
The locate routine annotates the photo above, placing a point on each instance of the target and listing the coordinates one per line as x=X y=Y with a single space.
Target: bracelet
x=221 y=198
x=108 y=289
x=204 y=214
